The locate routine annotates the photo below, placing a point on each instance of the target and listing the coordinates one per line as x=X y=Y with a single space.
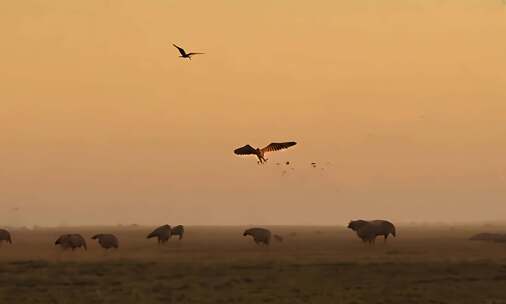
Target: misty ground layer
x=218 y=265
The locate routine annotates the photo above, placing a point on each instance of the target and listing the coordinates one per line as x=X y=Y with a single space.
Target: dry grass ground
x=219 y=265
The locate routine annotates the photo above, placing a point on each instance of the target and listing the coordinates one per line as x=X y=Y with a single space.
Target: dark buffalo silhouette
x=369 y=230
x=5 y=236
x=178 y=230
x=260 y=235
x=163 y=234
x=71 y=241
x=107 y=241
x=490 y=237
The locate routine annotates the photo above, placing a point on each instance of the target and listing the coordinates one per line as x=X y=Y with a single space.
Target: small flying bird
x=249 y=150
x=287 y=163
x=313 y=165
x=184 y=54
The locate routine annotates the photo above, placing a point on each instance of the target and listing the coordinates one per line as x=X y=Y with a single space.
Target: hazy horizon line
x=399 y=223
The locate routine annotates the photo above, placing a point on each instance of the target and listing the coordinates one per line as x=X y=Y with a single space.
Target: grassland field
x=424 y=264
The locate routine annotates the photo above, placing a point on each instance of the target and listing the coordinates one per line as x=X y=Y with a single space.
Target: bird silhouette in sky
x=249 y=150
x=184 y=54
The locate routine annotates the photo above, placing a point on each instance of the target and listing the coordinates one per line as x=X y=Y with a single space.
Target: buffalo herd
x=367 y=231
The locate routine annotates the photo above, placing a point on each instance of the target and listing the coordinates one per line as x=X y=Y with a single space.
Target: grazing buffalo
x=5 y=236
x=490 y=237
x=260 y=235
x=369 y=230
x=163 y=234
x=107 y=241
x=71 y=241
x=178 y=230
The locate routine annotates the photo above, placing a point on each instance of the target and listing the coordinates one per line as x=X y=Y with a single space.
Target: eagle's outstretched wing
x=191 y=54
x=183 y=53
x=278 y=146
x=246 y=150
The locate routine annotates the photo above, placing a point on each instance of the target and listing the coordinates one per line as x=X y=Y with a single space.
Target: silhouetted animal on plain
x=368 y=230
x=490 y=237
x=184 y=54
x=5 y=236
x=107 y=241
x=249 y=150
x=260 y=235
x=71 y=241
x=178 y=230
x=163 y=233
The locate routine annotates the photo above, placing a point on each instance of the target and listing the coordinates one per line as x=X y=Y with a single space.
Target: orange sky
x=102 y=123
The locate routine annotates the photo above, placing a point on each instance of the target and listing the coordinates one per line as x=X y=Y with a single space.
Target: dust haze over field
x=402 y=102
x=426 y=264
x=397 y=107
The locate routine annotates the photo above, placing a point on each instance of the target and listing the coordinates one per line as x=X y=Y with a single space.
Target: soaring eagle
x=184 y=54
x=249 y=150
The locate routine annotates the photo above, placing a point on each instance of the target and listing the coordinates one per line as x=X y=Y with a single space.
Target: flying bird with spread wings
x=249 y=150
x=184 y=54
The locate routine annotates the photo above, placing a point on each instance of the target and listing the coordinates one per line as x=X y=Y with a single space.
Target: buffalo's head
x=356 y=225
